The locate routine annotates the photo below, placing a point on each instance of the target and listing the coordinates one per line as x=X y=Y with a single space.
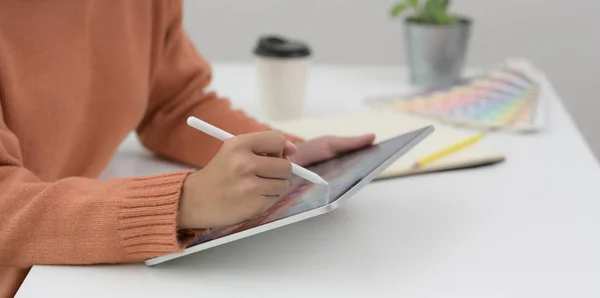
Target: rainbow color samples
x=505 y=98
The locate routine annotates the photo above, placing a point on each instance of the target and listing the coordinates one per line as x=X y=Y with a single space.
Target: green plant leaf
x=397 y=9
x=440 y=17
x=453 y=19
x=413 y=3
x=418 y=19
x=450 y=19
x=435 y=12
x=431 y=6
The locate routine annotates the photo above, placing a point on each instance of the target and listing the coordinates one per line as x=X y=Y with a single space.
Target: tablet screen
x=342 y=173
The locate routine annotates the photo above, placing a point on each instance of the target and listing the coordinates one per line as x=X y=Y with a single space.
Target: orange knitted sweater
x=76 y=76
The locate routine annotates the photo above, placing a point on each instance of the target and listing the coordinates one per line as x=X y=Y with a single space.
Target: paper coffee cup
x=282 y=77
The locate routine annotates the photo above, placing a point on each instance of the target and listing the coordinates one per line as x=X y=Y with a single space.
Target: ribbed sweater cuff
x=148 y=216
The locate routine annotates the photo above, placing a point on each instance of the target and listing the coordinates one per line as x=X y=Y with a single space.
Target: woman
x=76 y=76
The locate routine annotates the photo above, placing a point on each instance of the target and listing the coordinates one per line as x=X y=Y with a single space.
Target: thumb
x=344 y=144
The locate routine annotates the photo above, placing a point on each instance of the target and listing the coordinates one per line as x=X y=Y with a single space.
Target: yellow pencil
x=456 y=147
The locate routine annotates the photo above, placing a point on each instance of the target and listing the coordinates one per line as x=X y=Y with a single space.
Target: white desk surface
x=529 y=227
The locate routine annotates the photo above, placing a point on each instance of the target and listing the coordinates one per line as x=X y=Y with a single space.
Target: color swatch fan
x=508 y=97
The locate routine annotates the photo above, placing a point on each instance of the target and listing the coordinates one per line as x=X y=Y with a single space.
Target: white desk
x=529 y=227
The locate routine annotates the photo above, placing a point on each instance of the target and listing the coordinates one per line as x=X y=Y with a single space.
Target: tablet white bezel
x=420 y=135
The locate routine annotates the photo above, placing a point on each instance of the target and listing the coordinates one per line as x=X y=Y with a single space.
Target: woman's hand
x=327 y=147
x=242 y=181
x=249 y=174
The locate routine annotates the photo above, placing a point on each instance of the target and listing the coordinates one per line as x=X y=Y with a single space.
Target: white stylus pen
x=223 y=135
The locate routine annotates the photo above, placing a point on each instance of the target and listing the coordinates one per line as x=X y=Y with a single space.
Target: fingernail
x=291 y=145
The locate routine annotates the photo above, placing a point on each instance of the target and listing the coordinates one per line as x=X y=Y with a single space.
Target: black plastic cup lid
x=279 y=47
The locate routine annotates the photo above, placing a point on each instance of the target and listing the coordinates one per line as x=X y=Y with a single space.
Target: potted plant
x=437 y=41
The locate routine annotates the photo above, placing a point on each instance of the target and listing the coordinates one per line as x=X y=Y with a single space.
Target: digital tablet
x=346 y=175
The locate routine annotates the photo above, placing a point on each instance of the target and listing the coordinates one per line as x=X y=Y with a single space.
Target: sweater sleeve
x=83 y=221
x=178 y=92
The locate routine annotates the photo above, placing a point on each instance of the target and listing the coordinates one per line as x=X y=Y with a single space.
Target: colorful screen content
x=342 y=173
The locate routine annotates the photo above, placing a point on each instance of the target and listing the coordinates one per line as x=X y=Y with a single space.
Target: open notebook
x=388 y=125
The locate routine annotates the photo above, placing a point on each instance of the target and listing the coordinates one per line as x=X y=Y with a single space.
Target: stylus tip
x=319 y=180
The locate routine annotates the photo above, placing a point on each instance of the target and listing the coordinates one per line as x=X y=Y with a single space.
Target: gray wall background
x=561 y=37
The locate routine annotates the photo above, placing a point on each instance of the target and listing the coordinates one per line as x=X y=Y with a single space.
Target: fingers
x=268 y=142
x=290 y=149
x=272 y=187
x=341 y=145
x=274 y=168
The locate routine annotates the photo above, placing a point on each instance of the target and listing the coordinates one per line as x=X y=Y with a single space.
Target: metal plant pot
x=437 y=53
